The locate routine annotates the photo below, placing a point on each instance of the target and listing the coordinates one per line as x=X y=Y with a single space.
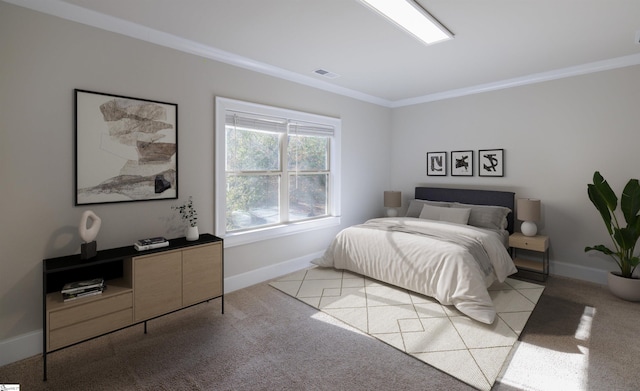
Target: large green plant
x=624 y=238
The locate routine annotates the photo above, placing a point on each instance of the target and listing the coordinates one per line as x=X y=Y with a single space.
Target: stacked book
x=78 y=289
x=148 y=244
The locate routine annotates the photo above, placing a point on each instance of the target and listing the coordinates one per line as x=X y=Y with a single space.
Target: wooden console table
x=141 y=285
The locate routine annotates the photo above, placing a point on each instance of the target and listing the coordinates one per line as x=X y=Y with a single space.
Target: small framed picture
x=491 y=162
x=461 y=163
x=436 y=163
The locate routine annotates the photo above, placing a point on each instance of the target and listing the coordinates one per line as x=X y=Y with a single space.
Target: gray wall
x=555 y=135
x=43 y=58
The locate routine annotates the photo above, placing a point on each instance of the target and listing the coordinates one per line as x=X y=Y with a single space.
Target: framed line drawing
x=461 y=163
x=491 y=162
x=436 y=163
x=126 y=149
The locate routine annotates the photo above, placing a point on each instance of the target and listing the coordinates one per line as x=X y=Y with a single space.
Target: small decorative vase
x=625 y=288
x=192 y=233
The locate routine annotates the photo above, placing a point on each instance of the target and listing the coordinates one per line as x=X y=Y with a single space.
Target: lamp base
x=529 y=228
x=392 y=212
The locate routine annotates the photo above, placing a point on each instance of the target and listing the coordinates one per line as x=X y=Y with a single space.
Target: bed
x=451 y=245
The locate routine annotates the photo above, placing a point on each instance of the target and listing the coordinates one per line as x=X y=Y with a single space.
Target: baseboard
x=20 y=347
x=578 y=272
x=257 y=276
x=30 y=344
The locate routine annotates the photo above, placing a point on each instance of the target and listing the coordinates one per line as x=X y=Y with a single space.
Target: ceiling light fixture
x=411 y=17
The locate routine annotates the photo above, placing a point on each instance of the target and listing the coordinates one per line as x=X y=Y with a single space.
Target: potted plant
x=622 y=284
x=188 y=212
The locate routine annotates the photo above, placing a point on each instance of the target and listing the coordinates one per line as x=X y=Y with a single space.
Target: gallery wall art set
x=490 y=163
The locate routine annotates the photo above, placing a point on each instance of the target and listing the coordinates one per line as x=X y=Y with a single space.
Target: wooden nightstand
x=526 y=267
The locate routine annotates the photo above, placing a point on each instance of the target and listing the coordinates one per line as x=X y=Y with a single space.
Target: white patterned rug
x=420 y=326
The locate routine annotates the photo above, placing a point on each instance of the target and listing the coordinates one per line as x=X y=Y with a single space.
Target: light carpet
x=420 y=326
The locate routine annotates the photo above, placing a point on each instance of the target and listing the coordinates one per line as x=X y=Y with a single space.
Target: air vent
x=325 y=73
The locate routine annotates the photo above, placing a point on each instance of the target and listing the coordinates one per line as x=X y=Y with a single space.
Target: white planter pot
x=192 y=233
x=624 y=288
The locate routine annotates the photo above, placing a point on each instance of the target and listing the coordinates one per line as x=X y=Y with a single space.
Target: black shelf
x=106 y=264
x=54 y=265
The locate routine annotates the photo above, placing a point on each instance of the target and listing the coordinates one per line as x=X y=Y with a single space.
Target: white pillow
x=451 y=215
x=415 y=206
x=486 y=216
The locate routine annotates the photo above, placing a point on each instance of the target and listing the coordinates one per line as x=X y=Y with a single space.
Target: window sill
x=246 y=237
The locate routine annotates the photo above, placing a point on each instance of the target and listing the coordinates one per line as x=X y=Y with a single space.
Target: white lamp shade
x=528 y=212
x=528 y=209
x=392 y=199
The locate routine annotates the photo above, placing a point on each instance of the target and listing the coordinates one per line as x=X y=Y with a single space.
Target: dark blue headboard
x=470 y=196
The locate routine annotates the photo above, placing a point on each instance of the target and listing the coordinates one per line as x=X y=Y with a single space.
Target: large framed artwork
x=436 y=163
x=491 y=162
x=461 y=163
x=126 y=149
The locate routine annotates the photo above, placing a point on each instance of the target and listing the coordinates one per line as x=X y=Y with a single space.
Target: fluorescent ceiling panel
x=411 y=17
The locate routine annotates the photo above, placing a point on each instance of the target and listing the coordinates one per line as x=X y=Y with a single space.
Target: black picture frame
x=461 y=163
x=436 y=163
x=491 y=162
x=126 y=149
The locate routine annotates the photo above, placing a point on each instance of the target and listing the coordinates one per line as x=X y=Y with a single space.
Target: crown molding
x=597 y=66
x=88 y=17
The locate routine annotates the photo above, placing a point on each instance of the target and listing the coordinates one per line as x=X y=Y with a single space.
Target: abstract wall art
x=491 y=162
x=462 y=163
x=126 y=149
x=436 y=163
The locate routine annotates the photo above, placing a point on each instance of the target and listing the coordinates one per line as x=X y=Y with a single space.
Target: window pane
x=309 y=153
x=252 y=201
x=307 y=196
x=251 y=150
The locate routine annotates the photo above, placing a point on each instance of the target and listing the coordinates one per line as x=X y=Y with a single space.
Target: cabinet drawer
x=86 y=311
x=534 y=243
x=80 y=331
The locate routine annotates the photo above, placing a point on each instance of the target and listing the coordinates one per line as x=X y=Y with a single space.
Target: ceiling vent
x=325 y=73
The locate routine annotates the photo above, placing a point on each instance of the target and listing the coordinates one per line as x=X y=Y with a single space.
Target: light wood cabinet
x=140 y=286
x=201 y=275
x=157 y=284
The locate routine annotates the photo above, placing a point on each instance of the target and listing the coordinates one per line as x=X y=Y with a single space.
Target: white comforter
x=409 y=253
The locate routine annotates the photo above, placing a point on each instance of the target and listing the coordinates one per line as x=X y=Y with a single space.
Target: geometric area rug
x=420 y=326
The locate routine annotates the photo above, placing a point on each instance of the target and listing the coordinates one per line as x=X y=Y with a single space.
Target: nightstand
x=528 y=267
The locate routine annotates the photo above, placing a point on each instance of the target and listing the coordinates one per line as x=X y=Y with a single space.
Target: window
x=277 y=171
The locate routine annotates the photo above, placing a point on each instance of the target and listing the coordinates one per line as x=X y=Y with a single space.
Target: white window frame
x=262 y=233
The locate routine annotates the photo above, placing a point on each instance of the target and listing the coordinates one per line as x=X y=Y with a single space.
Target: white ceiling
x=498 y=43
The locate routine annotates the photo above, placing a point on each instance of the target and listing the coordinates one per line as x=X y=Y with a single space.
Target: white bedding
x=402 y=251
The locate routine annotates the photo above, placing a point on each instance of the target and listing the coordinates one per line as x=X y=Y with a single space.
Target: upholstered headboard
x=471 y=196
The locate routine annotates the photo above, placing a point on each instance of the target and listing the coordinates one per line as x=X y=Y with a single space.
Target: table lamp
x=392 y=200
x=528 y=213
